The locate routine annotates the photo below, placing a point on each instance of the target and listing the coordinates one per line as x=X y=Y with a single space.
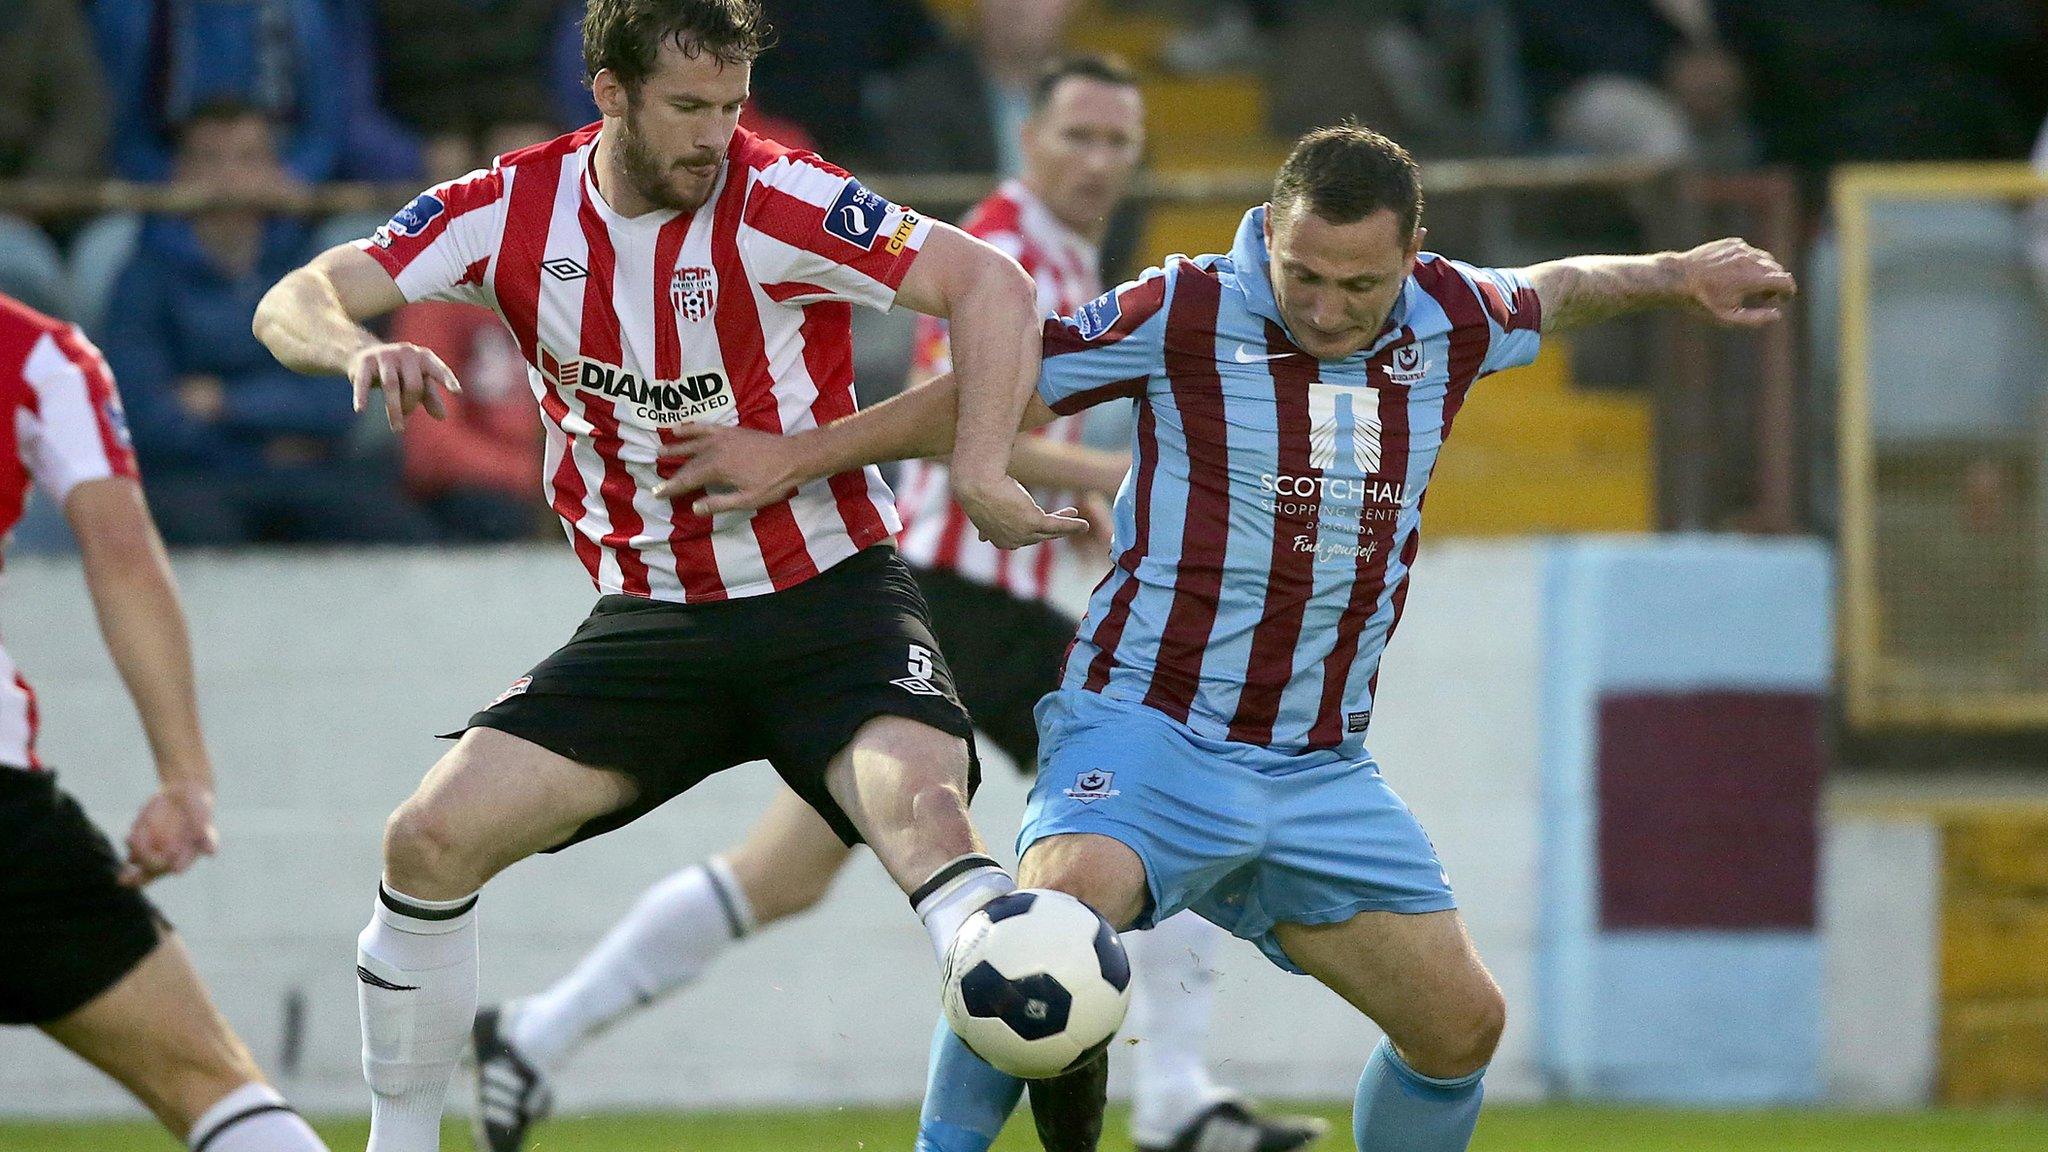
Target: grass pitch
x=1502 y=1129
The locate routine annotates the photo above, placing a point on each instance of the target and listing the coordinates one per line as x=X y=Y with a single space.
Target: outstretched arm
x=137 y=603
x=1728 y=280
x=312 y=322
x=991 y=309
x=749 y=469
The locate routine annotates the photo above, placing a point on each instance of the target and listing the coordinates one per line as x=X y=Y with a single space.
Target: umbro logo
x=563 y=268
x=918 y=686
x=376 y=981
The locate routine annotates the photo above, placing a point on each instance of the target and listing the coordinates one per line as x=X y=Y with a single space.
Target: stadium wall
x=324 y=676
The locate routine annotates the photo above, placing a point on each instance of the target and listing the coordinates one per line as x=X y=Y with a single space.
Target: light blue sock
x=1401 y=1110
x=966 y=1100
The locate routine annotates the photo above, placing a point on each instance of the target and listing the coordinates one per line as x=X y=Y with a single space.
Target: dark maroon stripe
x=1205 y=529
x=1291 y=574
x=1135 y=305
x=1469 y=333
x=1369 y=576
x=1129 y=389
x=1111 y=629
x=1708 y=806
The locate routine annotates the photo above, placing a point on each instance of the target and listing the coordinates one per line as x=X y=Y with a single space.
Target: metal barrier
x=1944 y=522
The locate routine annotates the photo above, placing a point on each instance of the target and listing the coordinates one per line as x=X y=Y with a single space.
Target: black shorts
x=670 y=694
x=71 y=930
x=1006 y=652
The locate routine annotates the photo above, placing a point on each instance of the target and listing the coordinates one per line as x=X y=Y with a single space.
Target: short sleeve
x=1109 y=348
x=1514 y=316
x=71 y=424
x=810 y=233
x=439 y=246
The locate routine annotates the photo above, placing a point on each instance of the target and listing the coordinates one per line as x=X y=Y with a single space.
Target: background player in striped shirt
x=84 y=955
x=662 y=268
x=1207 y=746
x=993 y=614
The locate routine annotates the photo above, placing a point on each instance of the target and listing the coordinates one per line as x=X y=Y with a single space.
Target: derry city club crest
x=693 y=292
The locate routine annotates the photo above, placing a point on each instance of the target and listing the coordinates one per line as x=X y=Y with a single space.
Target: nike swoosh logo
x=376 y=981
x=1246 y=356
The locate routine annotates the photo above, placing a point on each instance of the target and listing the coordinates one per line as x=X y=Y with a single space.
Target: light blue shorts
x=1246 y=836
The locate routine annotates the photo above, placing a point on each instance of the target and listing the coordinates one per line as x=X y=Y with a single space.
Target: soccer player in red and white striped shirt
x=993 y=613
x=85 y=956
x=658 y=269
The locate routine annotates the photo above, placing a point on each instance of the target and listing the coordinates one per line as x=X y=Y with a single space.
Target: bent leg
x=1418 y=977
x=493 y=800
x=157 y=1032
x=966 y=1099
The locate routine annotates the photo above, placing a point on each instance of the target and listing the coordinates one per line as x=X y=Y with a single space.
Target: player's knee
x=1102 y=873
x=424 y=853
x=1462 y=1044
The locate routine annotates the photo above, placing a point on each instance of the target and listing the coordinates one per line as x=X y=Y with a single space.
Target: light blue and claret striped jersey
x=1266 y=531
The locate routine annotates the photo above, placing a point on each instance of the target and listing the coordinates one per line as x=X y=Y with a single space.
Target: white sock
x=416 y=983
x=1173 y=996
x=956 y=892
x=671 y=935
x=252 y=1118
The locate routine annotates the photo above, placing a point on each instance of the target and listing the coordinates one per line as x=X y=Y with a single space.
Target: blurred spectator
x=1225 y=36
x=1646 y=78
x=377 y=147
x=1839 y=81
x=53 y=124
x=168 y=58
x=830 y=57
x=53 y=96
x=450 y=68
x=239 y=448
x=478 y=471
x=961 y=107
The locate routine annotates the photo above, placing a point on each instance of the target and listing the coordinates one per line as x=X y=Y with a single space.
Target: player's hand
x=736 y=469
x=172 y=831
x=1735 y=283
x=1007 y=516
x=409 y=376
x=1095 y=544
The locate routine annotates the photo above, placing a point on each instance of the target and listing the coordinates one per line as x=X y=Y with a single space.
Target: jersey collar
x=1252 y=275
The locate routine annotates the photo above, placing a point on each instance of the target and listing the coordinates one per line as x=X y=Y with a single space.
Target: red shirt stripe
x=746 y=360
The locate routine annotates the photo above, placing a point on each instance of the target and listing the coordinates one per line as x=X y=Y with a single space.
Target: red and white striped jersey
x=740 y=312
x=65 y=428
x=1068 y=269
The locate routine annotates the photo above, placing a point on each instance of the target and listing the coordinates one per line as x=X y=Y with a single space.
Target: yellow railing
x=1878 y=692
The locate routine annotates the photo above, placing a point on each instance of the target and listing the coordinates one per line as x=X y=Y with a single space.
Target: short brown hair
x=626 y=35
x=1099 y=66
x=1347 y=172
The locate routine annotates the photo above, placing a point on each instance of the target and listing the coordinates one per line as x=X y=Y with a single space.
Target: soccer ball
x=1036 y=983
